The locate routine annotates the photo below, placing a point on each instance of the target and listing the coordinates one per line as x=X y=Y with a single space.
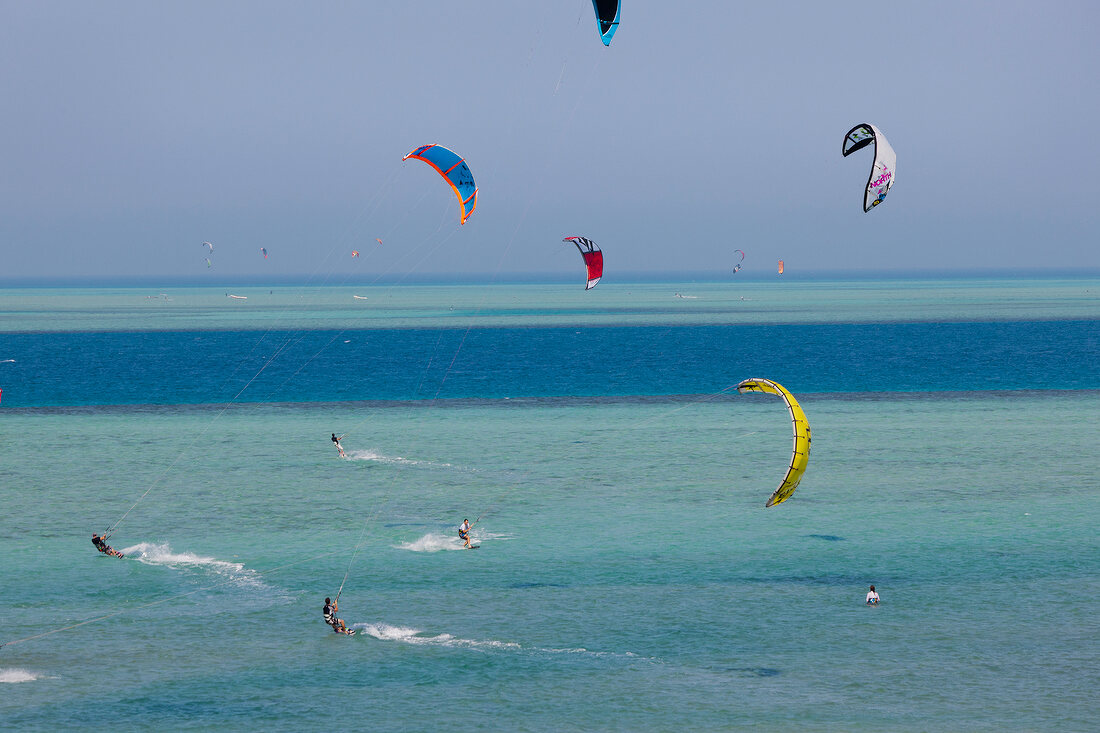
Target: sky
x=134 y=131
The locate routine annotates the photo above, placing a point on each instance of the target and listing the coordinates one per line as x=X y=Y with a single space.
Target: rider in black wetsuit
x=101 y=545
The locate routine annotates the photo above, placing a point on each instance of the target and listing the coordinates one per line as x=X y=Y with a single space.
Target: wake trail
x=407 y=635
x=381 y=631
x=438 y=542
x=433 y=542
x=150 y=553
x=376 y=457
x=15 y=674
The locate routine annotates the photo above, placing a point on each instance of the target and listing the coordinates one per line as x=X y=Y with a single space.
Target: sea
x=628 y=575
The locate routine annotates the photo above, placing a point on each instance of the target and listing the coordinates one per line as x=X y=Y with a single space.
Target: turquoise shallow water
x=742 y=302
x=629 y=577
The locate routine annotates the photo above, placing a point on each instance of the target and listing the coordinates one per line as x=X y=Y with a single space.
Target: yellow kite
x=800 y=455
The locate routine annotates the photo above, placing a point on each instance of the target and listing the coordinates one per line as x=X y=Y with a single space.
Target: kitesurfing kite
x=800 y=455
x=378 y=240
x=209 y=247
x=883 y=170
x=354 y=253
x=737 y=267
x=454 y=169
x=207 y=261
x=607 y=18
x=780 y=267
x=264 y=251
x=593 y=259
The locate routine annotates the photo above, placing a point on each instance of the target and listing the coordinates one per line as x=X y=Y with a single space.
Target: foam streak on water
x=161 y=554
x=436 y=542
x=17 y=675
x=369 y=455
x=407 y=635
x=432 y=542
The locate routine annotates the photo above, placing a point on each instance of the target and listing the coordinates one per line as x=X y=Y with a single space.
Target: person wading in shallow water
x=872 y=597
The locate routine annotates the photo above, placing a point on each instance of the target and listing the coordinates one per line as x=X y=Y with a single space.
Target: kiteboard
x=473 y=547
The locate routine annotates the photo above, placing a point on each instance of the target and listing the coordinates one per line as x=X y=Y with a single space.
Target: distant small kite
x=264 y=250
x=354 y=253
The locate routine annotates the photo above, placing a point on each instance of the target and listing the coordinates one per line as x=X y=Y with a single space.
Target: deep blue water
x=197 y=367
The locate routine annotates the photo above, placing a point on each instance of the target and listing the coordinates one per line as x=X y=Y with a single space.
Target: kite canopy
x=593 y=259
x=800 y=455
x=780 y=267
x=454 y=169
x=883 y=170
x=607 y=18
x=264 y=251
x=740 y=262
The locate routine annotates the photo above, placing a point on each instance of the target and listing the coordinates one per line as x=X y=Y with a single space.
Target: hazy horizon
x=533 y=278
x=136 y=131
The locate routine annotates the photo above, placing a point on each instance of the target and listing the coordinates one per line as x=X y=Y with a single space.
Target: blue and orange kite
x=454 y=169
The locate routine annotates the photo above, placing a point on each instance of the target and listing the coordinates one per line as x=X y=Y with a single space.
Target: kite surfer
x=872 y=597
x=337 y=624
x=336 y=442
x=101 y=545
x=464 y=533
